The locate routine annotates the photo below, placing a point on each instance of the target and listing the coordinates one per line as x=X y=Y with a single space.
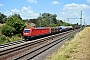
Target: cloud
x=32 y=1
x=70 y=14
x=15 y=10
x=74 y=7
x=1 y=5
x=88 y=1
x=25 y=12
x=73 y=10
x=55 y=2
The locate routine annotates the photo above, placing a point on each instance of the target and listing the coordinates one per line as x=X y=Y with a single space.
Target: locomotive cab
x=26 y=34
x=27 y=31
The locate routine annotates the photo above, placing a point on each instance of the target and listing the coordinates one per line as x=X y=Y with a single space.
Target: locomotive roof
x=37 y=28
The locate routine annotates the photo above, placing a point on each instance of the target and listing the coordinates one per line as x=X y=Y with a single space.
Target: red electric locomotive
x=33 y=32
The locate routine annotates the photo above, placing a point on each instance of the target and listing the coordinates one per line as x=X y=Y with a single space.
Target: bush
x=53 y=25
x=2 y=39
x=7 y=30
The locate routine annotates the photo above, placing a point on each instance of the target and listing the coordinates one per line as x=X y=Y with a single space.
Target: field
x=77 y=48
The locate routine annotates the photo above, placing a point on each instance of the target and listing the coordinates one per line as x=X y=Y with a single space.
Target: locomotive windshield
x=26 y=31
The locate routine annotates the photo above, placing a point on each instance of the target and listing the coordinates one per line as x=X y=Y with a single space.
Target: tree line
x=47 y=19
x=14 y=24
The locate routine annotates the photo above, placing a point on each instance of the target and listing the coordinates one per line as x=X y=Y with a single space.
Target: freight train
x=29 y=33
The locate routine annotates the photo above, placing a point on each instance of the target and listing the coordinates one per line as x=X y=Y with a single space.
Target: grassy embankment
x=4 y=39
x=77 y=48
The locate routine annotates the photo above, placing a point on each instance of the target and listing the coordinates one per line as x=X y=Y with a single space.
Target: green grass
x=76 y=48
x=4 y=39
x=0 y=31
x=71 y=37
x=64 y=53
x=15 y=38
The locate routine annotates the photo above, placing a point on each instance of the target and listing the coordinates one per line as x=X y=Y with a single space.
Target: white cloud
x=69 y=14
x=15 y=10
x=55 y=2
x=74 y=7
x=1 y=5
x=32 y=1
x=73 y=10
x=88 y=1
x=25 y=12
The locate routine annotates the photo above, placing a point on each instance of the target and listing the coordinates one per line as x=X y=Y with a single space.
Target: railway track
x=11 y=43
x=30 y=49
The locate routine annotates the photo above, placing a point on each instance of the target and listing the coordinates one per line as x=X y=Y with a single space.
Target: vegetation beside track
x=11 y=28
x=4 y=39
x=77 y=48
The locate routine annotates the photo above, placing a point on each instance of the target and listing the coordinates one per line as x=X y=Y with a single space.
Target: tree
x=50 y=19
x=54 y=20
x=14 y=23
x=2 y=18
x=46 y=18
x=44 y=23
x=19 y=17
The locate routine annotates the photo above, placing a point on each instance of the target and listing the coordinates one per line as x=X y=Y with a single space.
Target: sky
x=64 y=9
